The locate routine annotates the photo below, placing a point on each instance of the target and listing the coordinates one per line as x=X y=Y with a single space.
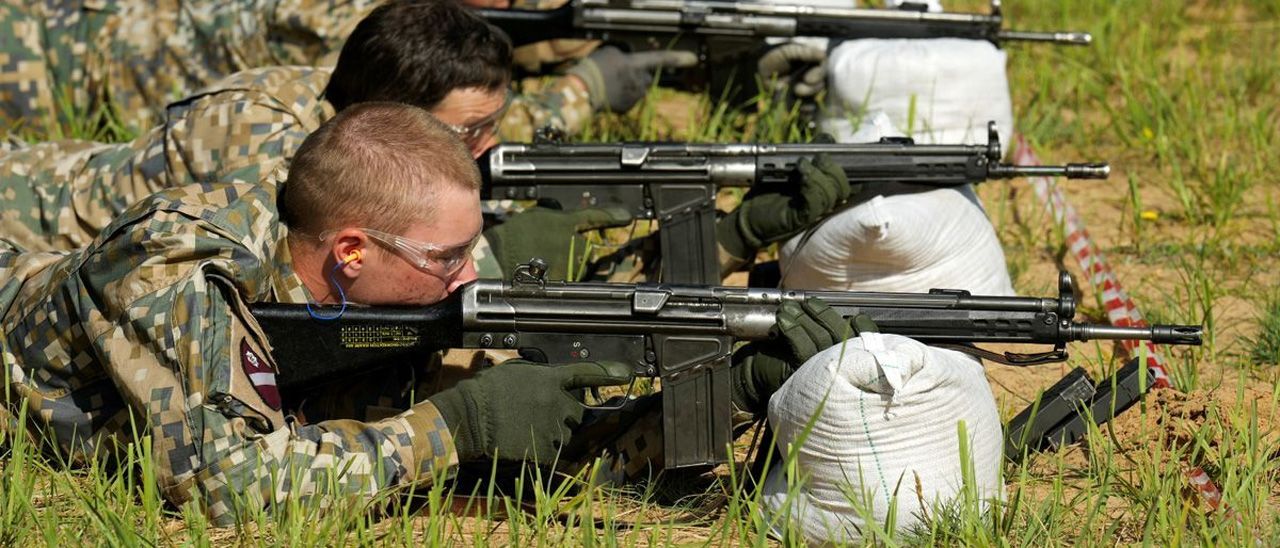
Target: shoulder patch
x=260 y=374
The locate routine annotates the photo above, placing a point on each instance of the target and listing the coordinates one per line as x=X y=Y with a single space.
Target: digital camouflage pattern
x=559 y=102
x=141 y=54
x=147 y=331
x=59 y=195
x=61 y=57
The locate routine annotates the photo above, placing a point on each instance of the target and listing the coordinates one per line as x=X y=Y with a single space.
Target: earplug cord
x=342 y=295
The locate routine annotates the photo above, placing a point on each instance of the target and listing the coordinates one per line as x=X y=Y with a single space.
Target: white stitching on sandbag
x=875 y=454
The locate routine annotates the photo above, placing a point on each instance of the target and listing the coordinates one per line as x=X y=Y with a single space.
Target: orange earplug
x=353 y=256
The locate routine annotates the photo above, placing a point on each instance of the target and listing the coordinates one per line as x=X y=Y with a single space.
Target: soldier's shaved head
x=416 y=52
x=375 y=165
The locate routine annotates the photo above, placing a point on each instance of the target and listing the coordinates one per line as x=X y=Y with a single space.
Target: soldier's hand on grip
x=520 y=410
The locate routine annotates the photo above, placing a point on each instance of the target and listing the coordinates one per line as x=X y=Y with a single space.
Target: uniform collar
x=285 y=283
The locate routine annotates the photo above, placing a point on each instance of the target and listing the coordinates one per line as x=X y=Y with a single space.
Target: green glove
x=616 y=81
x=520 y=409
x=546 y=233
x=803 y=330
x=767 y=215
x=794 y=67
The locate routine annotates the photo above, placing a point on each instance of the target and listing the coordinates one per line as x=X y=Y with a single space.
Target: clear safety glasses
x=435 y=259
x=473 y=134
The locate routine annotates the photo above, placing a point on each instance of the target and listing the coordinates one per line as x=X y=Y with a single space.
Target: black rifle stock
x=676 y=183
x=723 y=33
x=683 y=335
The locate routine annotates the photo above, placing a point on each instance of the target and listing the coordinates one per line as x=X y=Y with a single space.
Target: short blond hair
x=374 y=165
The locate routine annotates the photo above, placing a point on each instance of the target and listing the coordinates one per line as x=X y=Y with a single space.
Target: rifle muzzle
x=1066 y=38
x=1070 y=171
x=1158 y=334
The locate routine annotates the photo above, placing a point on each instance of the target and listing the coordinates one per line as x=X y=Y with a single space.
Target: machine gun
x=676 y=183
x=725 y=33
x=684 y=335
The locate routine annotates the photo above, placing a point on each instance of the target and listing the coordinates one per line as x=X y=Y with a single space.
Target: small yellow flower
x=1149 y=215
x=1148 y=134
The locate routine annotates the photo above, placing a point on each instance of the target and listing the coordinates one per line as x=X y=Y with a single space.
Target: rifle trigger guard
x=1058 y=354
x=595 y=393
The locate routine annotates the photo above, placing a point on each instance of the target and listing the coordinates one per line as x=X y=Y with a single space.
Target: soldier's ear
x=348 y=251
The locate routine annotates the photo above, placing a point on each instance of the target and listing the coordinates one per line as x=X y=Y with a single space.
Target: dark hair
x=416 y=52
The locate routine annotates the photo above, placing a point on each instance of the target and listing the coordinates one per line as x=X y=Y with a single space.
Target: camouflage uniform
x=543 y=102
x=138 y=56
x=60 y=195
x=145 y=334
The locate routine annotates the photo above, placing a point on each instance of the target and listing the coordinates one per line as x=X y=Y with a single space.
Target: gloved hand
x=520 y=409
x=800 y=68
x=547 y=233
x=616 y=81
x=803 y=330
x=767 y=215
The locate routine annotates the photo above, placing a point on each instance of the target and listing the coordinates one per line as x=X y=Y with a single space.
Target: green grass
x=1264 y=347
x=1179 y=96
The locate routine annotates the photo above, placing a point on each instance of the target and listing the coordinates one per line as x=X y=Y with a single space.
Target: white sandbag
x=907 y=241
x=890 y=407
x=957 y=87
x=901 y=238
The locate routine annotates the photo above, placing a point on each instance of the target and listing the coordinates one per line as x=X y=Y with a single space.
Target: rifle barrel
x=1070 y=171
x=1158 y=334
x=1067 y=38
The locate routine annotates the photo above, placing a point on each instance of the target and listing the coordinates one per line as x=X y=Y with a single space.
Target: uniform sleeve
x=64 y=193
x=26 y=90
x=178 y=344
x=52 y=199
x=311 y=32
x=558 y=104
x=233 y=137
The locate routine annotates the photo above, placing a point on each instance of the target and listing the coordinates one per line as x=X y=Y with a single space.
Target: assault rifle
x=676 y=183
x=684 y=335
x=724 y=33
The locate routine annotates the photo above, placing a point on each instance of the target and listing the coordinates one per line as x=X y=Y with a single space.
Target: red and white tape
x=1121 y=311
x=1120 y=308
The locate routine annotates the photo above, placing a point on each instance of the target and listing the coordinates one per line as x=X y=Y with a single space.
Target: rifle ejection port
x=648 y=302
